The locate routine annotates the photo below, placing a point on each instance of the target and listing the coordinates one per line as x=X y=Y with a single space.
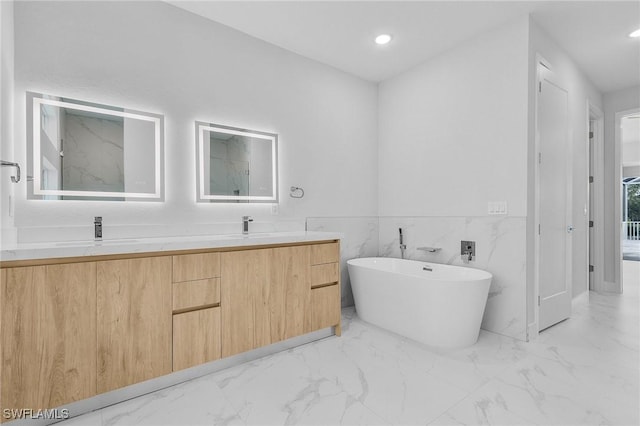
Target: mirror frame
x=35 y=191
x=201 y=127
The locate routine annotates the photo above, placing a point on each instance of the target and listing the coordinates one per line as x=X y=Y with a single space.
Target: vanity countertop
x=65 y=249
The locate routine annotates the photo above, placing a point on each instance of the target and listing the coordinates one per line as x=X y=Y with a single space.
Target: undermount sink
x=96 y=243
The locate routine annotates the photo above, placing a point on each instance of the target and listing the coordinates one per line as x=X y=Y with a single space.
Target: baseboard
x=532 y=331
x=580 y=299
x=610 y=287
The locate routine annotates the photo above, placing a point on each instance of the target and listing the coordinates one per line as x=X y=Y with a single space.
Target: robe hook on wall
x=16 y=178
x=296 y=192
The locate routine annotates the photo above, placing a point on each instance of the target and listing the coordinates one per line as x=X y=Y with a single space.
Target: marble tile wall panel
x=360 y=240
x=500 y=247
x=93 y=154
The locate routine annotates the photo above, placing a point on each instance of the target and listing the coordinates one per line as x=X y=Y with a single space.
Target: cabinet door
x=289 y=293
x=48 y=335
x=244 y=296
x=325 y=307
x=196 y=337
x=134 y=321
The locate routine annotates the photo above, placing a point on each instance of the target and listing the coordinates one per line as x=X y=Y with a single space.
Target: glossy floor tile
x=583 y=371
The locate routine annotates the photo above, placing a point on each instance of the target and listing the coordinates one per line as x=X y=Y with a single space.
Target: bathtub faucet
x=403 y=246
x=467 y=250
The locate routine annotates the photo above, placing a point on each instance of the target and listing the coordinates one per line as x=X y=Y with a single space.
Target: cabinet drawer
x=196 y=338
x=192 y=294
x=325 y=307
x=190 y=267
x=325 y=273
x=325 y=253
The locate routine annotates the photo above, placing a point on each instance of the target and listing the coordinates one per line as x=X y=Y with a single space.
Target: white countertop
x=158 y=244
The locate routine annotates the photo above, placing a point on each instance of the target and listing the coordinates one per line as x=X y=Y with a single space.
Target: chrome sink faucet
x=97 y=228
x=403 y=246
x=245 y=224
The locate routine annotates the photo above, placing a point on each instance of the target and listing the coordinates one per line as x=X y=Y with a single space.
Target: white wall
x=631 y=171
x=453 y=137
x=630 y=141
x=580 y=92
x=7 y=229
x=614 y=102
x=151 y=56
x=446 y=137
x=452 y=131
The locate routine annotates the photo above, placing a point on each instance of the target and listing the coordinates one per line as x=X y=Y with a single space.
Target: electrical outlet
x=275 y=209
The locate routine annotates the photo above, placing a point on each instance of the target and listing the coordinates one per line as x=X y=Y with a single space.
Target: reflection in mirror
x=236 y=165
x=84 y=151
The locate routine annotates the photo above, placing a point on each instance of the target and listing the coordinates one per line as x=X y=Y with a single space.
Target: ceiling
x=341 y=33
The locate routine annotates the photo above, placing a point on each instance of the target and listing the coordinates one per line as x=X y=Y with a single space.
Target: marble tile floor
x=631 y=250
x=582 y=371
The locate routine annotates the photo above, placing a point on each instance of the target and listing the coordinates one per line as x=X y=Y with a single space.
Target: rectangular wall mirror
x=85 y=151
x=236 y=165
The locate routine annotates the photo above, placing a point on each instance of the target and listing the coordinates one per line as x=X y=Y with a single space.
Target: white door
x=554 y=176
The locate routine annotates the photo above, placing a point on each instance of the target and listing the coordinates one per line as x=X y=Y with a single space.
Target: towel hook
x=16 y=178
x=296 y=192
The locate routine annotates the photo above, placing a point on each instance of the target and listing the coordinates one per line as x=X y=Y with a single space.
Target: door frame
x=596 y=191
x=541 y=63
x=617 y=286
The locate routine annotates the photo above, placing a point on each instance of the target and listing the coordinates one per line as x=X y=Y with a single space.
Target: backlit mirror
x=236 y=165
x=85 y=151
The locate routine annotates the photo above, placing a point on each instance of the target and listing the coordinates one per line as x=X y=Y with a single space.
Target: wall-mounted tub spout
x=16 y=178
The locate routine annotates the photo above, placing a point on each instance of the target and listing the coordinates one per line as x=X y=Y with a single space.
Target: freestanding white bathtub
x=439 y=305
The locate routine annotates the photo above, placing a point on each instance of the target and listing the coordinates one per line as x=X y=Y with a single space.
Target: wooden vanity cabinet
x=325 y=286
x=70 y=331
x=325 y=308
x=48 y=335
x=134 y=321
x=244 y=298
x=196 y=309
x=265 y=297
x=196 y=337
x=269 y=295
x=289 y=295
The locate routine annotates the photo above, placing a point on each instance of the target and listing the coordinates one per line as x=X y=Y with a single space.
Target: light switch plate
x=497 y=207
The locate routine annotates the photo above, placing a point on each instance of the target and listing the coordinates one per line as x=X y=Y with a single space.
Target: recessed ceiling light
x=383 y=39
x=636 y=33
